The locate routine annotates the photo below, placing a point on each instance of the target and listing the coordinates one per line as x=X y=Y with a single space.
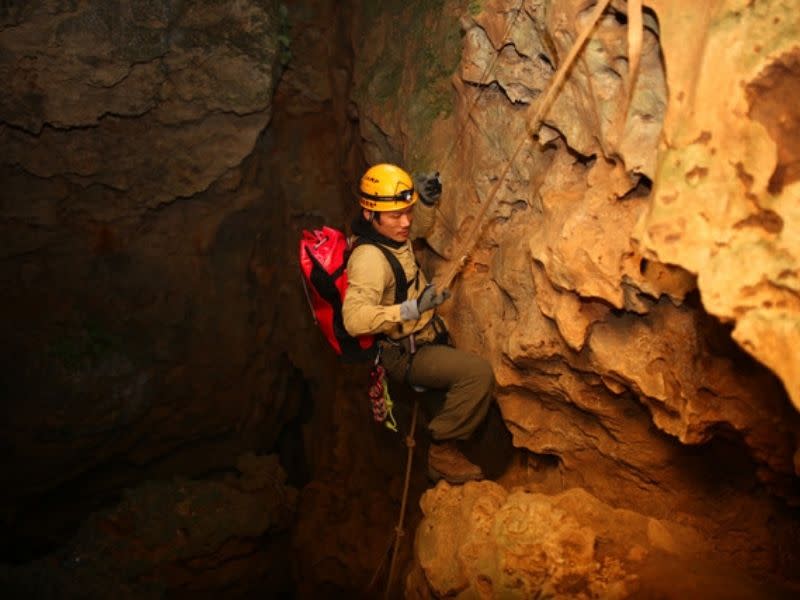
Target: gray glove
x=410 y=310
x=429 y=187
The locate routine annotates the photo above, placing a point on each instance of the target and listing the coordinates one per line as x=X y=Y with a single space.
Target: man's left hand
x=429 y=187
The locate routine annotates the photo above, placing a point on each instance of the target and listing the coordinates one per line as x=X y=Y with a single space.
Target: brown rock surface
x=175 y=538
x=724 y=201
x=479 y=540
x=134 y=311
x=610 y=355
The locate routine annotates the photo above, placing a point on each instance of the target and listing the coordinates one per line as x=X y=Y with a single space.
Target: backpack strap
x=401 y=283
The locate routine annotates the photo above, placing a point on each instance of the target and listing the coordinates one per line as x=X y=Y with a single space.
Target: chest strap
x=401 y=283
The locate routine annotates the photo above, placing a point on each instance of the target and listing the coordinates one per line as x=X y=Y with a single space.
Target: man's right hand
x=411 y=310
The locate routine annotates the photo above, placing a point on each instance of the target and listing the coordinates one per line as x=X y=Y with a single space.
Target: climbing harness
x=379 y=397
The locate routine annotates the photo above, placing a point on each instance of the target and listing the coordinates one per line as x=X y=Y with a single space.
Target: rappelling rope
x=394 y=540
x=635 y=33
x=531 y=128
x=399 y=531
x=377 y=572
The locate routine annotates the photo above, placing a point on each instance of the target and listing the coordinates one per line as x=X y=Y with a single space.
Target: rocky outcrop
x=140 y=102
x=175 y=538
x=131 y=212
x=724 y=200
x=479 y=540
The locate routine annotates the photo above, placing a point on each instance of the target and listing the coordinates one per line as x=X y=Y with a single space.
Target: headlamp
x=404 y=196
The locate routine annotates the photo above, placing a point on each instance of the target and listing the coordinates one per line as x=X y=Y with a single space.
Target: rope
x=378 y=570
x=531 y=128
x=399 y=532
x=635 y=34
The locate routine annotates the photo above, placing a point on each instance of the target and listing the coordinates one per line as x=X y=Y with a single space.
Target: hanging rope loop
x=399 y=533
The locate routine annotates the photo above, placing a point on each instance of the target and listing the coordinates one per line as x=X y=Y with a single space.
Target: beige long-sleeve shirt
x=369 y=306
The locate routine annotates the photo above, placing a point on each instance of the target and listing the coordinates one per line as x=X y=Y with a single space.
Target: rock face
x=138 y=100
x=175 y=538
x=134 y=324
x=481 y=541
x=725 y=134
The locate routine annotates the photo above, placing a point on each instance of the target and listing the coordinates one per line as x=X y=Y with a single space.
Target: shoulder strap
x=401 y=283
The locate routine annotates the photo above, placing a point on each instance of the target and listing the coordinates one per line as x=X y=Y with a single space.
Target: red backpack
x=323 y=259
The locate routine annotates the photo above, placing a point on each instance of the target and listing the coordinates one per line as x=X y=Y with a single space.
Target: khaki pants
x=467 y=378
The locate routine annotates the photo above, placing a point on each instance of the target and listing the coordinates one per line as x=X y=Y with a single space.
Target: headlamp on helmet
x=385 y=187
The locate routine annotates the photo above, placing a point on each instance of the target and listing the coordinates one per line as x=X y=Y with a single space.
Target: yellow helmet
x=386 y=187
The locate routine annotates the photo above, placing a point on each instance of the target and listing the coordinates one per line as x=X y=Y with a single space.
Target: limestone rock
x=560 y=265
x=607 y=360
x=131 y=219
x=725 y=195
x=478 y=540
x=174 y=537
x=136 y=97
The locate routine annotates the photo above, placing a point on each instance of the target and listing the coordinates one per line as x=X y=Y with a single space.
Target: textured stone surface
x=142 y=98
x=481 y=541
x=580 y=293
x=724 y=203
x=615 y=369
x=177 y=537
x=131 y=212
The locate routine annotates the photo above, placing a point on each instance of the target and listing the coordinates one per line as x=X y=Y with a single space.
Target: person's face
x=395 y=224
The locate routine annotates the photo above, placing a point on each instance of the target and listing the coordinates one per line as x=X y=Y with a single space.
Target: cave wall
x=160 y=160
x=159 y=163
x=132 y=207
x=729 y=134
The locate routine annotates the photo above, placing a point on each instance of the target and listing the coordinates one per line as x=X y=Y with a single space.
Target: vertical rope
x=483 y=83
x=635 y=34
x=399 y=532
